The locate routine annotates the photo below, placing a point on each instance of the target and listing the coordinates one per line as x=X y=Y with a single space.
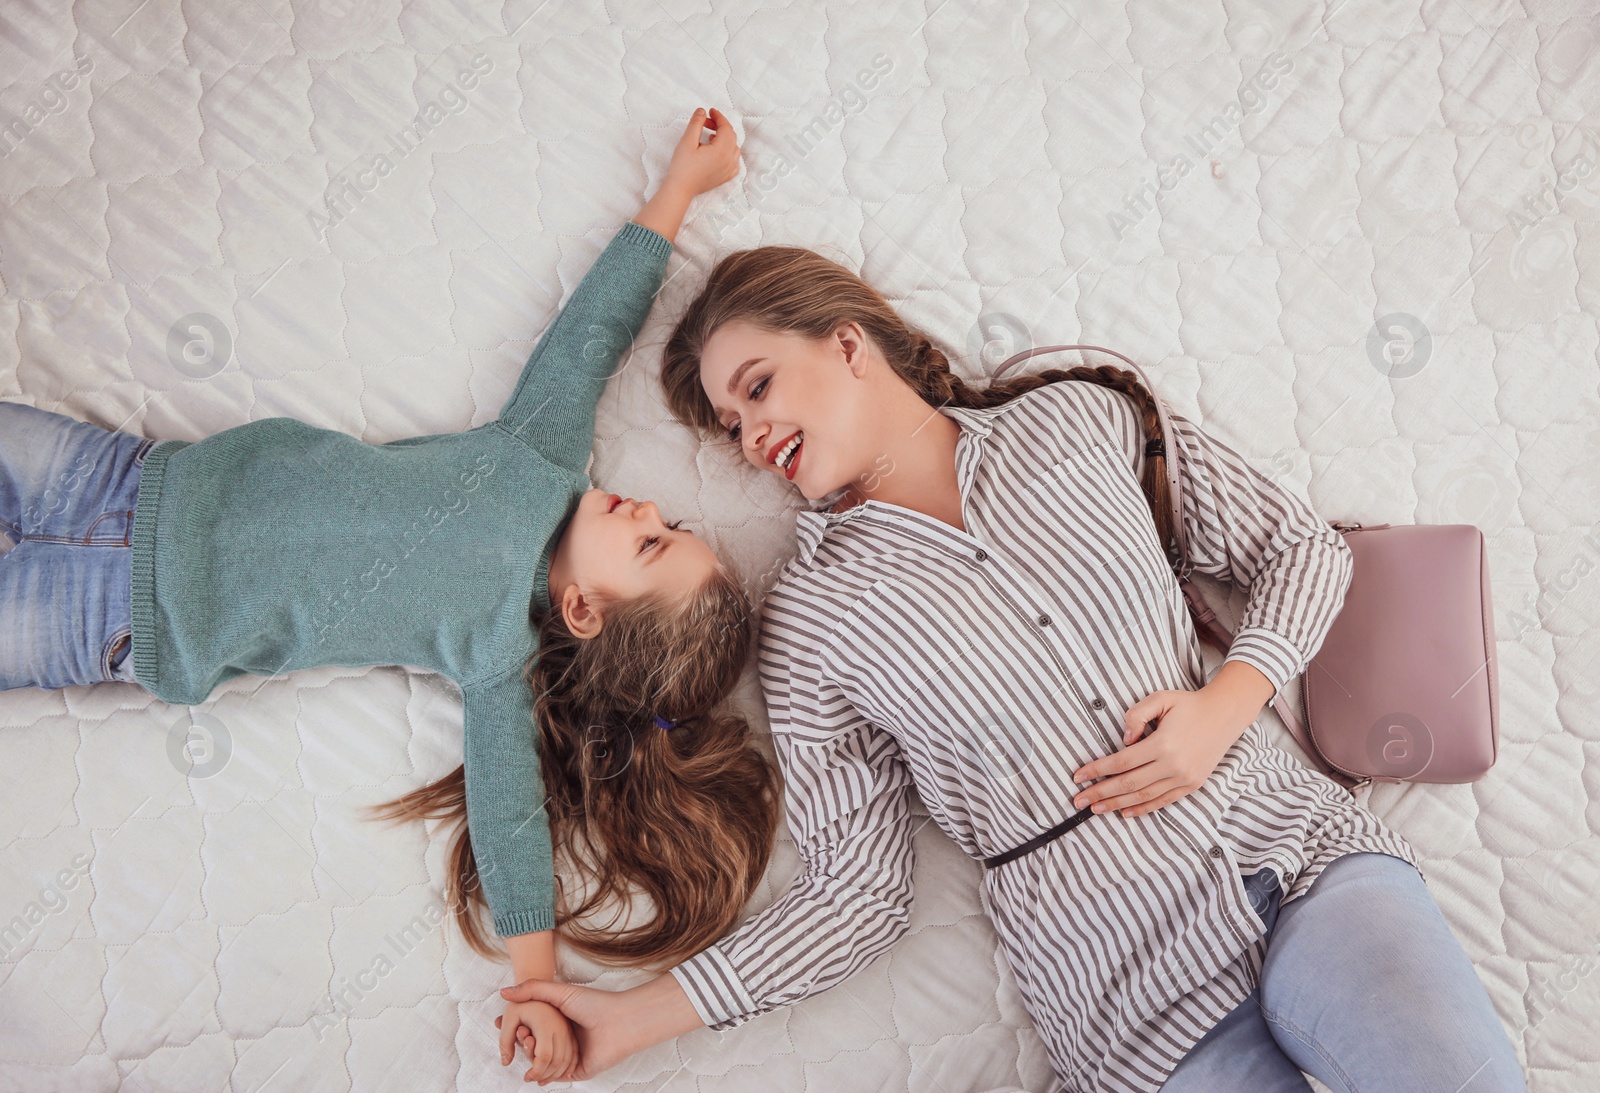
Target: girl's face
x=797 y=407
x=617 y=548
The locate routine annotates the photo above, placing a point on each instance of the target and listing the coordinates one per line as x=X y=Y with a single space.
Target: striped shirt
x=983 y=667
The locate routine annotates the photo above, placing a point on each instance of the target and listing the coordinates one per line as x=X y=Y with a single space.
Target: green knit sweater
x=277 y=546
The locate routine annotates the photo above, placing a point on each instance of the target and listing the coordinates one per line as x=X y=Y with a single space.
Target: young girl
x=482 y=556
x=983 y=606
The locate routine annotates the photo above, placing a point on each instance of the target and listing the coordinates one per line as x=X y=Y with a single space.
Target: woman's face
x=796 y=406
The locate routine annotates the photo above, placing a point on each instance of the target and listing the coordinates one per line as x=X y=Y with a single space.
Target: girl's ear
x=582 y=616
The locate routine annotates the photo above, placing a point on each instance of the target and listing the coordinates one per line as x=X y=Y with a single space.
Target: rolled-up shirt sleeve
x=847 y=793
x=1244 y=528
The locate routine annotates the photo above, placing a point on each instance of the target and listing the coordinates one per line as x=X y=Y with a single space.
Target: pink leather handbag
x=1405 y=686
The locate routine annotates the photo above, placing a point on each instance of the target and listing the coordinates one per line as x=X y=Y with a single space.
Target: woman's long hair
x=797 y=291
x=679 y=822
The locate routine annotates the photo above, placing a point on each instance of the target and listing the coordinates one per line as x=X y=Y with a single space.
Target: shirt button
x=1215 y=851
x=1098 y=704
x=1044 y=620
x=983 y=555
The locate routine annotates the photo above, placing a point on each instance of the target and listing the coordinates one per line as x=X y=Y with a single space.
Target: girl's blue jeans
x=67 y=493
x=1364 y=987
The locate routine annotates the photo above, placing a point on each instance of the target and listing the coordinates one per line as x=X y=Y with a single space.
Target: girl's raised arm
x=695 y=168
x=552 y=407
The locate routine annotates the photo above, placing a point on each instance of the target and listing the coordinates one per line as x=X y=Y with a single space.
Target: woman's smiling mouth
x=786 y=456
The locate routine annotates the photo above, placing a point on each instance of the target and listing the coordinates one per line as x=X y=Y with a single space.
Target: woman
x=982 y=605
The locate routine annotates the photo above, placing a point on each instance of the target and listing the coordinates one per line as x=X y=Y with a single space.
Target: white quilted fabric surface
x=1232 y=191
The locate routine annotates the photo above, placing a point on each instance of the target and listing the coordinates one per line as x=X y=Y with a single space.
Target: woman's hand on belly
x=1193 y=731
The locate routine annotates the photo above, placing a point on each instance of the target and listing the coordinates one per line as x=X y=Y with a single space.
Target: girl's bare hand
x=698 y=167
x=606 y=1031
x=544 y=1033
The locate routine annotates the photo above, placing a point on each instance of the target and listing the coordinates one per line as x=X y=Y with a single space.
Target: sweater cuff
x=1270 y=653
x=646 y=239
x=524 y=922
x=715 y=989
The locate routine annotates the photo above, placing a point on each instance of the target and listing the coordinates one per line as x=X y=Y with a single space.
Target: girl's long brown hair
x=677 y=822
x=797 y=291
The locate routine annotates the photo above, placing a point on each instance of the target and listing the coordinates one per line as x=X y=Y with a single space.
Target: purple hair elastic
x=663 y=723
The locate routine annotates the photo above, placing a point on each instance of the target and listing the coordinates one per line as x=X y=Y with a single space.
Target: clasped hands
x=607 y=1024
x=545 y=1034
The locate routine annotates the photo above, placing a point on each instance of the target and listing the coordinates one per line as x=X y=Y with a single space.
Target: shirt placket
x=1045 y=800
x=1039 y=799
x=1029 y=605
x=1032 y=605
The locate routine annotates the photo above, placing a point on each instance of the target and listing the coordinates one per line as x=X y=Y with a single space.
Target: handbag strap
x=1206 y=621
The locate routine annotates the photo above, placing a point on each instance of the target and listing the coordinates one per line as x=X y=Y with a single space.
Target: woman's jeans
x=67 y=493
x=1364 y=987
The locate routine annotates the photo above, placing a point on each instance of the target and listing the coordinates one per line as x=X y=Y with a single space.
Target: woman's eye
x=674 y=524
x=756 y=392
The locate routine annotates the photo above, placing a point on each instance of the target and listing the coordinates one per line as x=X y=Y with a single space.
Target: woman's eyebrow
x=733 y=380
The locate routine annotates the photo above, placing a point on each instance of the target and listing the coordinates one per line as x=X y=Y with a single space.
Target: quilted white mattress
x=1234 y=192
